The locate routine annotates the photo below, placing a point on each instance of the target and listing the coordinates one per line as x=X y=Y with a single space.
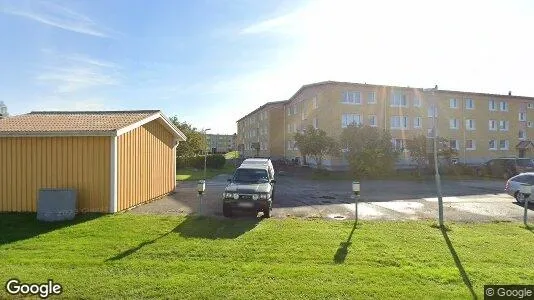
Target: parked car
x=513 y=185
x=260 y=162
x=250 y=188
x=505 y=167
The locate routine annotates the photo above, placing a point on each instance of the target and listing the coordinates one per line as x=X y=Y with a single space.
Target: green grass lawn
x=231 y=155
x=197 y=174
x=132 y=256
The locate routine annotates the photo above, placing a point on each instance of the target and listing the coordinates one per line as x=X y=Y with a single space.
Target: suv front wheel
x=227 y=210
x=267 y=211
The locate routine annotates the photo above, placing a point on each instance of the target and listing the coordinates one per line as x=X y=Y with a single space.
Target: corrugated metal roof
x=72 y=122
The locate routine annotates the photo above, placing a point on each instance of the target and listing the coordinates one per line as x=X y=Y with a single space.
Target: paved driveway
x=470 y=200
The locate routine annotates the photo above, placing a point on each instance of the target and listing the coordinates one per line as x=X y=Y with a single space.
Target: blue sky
x=212 y=61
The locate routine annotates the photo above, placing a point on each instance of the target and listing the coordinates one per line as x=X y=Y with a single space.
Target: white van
x=260 y=162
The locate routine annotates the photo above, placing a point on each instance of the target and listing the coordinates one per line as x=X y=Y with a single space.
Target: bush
x=458 y=169
x=216 y=161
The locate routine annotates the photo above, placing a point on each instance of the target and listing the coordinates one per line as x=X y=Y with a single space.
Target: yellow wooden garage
x=113 y=159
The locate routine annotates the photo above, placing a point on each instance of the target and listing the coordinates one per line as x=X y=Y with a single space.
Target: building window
x=315 y=123
x=289 y=145
x=315 y=102
x=399 y=122
x=503 y=145
x=431 y=111
x=529 y=124
x=302 y=116
x=289 y=111
x=398 y=144
x=289 y=128
x=469 y=104
x=372 y=120
x=399 y=100
x=371 y=97
x=294 y=127
x=454 y=144
x=530 y=105
x=522 y=134
x=470 y=145
x=470 y=124
x=417 y=122
x=417 y=102
x=492 y=105
x=522 y=116
x=492 y=125
x=453 y=103
x=430 y=132
x=492 y=145
x=352 y=98
x=350 y=119
x=454 y=123
x=504 y=106
x=504 y=125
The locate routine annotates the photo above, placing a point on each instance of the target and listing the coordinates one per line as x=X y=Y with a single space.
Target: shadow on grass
x=342 y=251
x=458 y=262
x=21 y=226
x=215 y=228
x=136 y=248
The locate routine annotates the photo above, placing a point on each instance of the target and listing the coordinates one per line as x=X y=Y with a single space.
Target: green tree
x=195 y=143
x=421 y=150
x=316 y=144
x=368 y=150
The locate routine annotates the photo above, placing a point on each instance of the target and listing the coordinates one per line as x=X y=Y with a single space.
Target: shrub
x=216 y=161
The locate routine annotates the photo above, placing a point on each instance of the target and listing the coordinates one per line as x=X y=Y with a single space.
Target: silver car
x=513 y=186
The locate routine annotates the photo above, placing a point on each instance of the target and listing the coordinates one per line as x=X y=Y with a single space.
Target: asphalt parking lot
x=464 y=201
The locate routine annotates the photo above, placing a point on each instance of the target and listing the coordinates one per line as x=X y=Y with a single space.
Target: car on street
x=513 y=186
x=505 y=167
x=250 y=188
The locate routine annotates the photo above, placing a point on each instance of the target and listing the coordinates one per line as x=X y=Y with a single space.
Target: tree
x=316 y=144
x=421 y=150
x=195 y=143
x=368 y=150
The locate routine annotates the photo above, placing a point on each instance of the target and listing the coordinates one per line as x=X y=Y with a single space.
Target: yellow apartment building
x=479 y=126
x=259 y=133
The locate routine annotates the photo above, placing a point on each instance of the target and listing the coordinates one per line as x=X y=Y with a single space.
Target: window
x=302 y=116
x=315 y=102
x=454 y=144
x=351 y=98
x=470 y=145
x=529 y=124
x=398 y=122
x=454 y=123
x=492 y=105
x=522 y=134
x=350 y=119
x=288 y=127
x=371 y=97
x=417 y=102
x=289 y=145
x=504 y=106
x=417 y=122
x=289 y=111
x=399 y=100
x=430 y=132
x=503 y=144
x=372 y=120
x=398 y=144
x=294 y=127
x=431 y=111
x=504 y=125
x=530 y=105
x=470 y=124
x=522 y=116
x=492 y=145
x=469 y=104
x=315 y=123
x=492 y=125
x=453 y=103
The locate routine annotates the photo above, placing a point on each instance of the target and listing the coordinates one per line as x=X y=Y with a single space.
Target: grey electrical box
x=56 y=205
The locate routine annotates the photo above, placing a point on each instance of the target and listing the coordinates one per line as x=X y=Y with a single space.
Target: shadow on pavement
x=342 y=251
x=20 y=226
x=215 y=228
x=458 y=262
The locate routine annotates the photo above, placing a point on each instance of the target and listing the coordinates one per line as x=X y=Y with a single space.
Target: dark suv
x=506 y=167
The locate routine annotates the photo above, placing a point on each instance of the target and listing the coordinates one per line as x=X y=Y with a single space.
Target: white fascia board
x=113 y=201
x=155 y=116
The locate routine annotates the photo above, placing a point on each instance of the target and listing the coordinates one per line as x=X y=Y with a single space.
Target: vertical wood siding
x=30 y=163
x=145 y=164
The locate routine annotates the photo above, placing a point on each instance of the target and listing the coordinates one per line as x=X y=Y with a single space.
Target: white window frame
x=470 y=128
x=397 y=100
x=289 y=110
x=494 y=145
x=469 y=100
x=315 y=102
x=349 y=97
x=454 y=123
x=494 y=123
x=522 y=116
x=345 y=119
x=453 y=103
x=506 y=145
x=398 y=144
x=432 y=110
x=473 y=145
x=315 y=123
x=457 y=144
x=503 y=106
x=530 y=105
x=504 y=125
x=416 y=102
x=372 y=117
x=403 y=122
x=417 y=122
x=492 y=105
x=289 y=128
x=373 y=99
x=522 y=136
x=430 y=133
x=529 y=124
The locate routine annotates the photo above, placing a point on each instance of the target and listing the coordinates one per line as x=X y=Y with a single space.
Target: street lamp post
x=205 y=151
x=436 y=167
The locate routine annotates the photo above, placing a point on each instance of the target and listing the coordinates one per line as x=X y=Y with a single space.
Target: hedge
x=214 y=161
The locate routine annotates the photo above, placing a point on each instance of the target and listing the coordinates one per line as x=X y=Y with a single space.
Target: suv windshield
x=525 y=163
x=251 y=176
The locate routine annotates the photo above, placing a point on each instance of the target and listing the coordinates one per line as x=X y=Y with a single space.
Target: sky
x=210 y=62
